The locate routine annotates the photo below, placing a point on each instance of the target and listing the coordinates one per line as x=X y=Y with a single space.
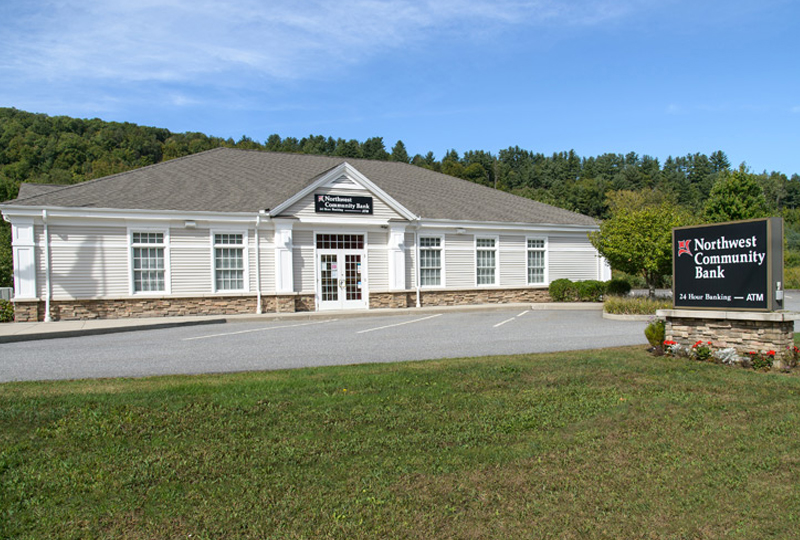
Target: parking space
x=271 y=345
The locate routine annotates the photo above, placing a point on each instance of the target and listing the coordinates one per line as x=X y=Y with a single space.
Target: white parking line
x=504 y=322
x=258 y=330
x=398 y=324
x=511 y=319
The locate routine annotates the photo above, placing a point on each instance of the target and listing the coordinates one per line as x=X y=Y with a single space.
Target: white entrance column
x=24 y=249
x=397 y=258
x=284 y=271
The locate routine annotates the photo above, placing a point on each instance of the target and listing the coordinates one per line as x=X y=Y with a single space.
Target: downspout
x=258 y=267
x=47 y=284
x=416 y=263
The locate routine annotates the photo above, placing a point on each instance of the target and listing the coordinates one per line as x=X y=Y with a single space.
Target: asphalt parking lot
x=286 y=344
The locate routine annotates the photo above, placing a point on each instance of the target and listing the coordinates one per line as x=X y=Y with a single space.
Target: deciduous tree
x=735 y=195
x=639 y=241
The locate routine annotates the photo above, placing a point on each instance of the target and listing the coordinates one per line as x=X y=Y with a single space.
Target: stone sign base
x=742 y=331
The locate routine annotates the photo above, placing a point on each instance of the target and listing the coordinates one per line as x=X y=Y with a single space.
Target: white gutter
x=416 y=263
x=48 y=285
x=258 y=266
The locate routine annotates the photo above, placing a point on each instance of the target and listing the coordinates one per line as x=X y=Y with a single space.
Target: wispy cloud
x=193 y=40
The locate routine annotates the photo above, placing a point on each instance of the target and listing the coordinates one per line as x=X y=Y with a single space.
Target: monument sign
x=729 y=266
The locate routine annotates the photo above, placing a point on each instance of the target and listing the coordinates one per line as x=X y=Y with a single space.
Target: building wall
x=378 y=261
x=304 y=264
x=91 y=262
x=191 y=261
x=572 y=257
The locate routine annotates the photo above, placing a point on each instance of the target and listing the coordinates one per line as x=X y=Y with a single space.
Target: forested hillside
x=64 y=150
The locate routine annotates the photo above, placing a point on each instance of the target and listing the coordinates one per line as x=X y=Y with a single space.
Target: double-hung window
x=486 y=261
x=229 y=257
x=148 y=261
x=430 y=261
x=536 y=261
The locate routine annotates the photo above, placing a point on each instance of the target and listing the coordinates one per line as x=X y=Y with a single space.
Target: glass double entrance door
x=341 y=271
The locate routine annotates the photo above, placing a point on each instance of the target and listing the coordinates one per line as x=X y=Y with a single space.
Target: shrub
x=654 y=332
x=563 y=290
x=6 y=311
x=590 y=290
x=635 y=281
x=618 y=287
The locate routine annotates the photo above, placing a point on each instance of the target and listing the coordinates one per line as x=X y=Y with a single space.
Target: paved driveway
x=271 y=345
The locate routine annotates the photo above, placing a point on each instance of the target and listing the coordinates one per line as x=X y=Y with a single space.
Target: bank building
x=231 y=231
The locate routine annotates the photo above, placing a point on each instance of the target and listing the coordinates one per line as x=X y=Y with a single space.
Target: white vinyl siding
x=411 y=256
x=486 y=260
x=459 y=257
x=303 y=261
x=511 y=263
x=85 y=262
x=267 y=248
x=378 y=259
x=571 y=257
x=190 y=261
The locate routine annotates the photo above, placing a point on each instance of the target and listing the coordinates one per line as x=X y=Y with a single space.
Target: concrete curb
x=617 y=317
x=35 y=336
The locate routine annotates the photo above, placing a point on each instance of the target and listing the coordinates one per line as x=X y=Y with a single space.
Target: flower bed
x=704 y=351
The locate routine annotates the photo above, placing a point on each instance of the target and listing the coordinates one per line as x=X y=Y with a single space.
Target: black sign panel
x=726 y=266
x=342 y=204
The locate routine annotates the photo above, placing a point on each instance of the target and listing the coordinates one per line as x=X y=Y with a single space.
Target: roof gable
x=344 y=176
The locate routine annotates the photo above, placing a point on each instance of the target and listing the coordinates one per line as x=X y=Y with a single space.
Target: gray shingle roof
x=230 y=180
x=29 y=189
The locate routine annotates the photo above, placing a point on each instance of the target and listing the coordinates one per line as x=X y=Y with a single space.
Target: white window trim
x=546 y=251
x=442 y=270
x=167 y=266
x=496 y=250
x=245 y=259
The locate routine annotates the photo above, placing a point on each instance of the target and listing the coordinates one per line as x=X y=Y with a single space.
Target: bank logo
x=683 y=247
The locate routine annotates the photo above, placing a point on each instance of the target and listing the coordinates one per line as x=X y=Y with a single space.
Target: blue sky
x=662 y=77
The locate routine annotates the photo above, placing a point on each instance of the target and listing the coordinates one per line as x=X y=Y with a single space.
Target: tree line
x=65 y=150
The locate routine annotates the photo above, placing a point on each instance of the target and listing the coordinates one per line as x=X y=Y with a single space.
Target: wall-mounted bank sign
x=729 y=266
x=342 y=204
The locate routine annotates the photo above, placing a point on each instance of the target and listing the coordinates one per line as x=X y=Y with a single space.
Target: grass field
x=595 y=444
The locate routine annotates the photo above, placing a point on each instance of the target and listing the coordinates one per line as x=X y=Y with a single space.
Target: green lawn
x=595 y=444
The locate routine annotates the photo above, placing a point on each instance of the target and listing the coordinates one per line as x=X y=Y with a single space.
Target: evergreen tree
x=373 y=148
x=399 y=152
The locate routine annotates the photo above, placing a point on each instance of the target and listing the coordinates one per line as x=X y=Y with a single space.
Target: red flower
x=770 y=353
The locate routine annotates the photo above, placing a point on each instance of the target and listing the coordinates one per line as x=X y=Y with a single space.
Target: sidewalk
x=12 y=332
